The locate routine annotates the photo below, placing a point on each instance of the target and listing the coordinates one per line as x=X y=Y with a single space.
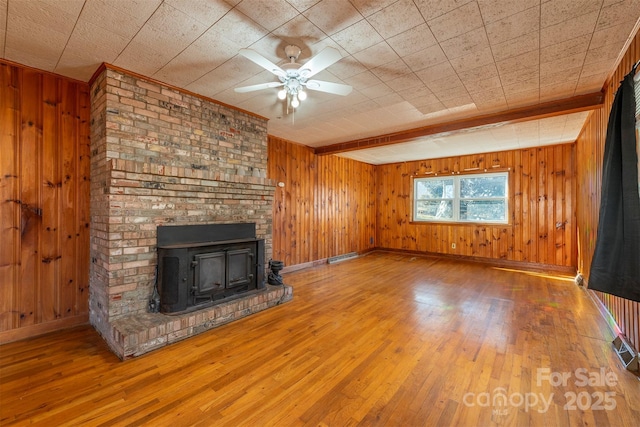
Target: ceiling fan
x=295 y=78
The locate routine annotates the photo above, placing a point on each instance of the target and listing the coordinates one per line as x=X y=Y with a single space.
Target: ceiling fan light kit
x=295 y=78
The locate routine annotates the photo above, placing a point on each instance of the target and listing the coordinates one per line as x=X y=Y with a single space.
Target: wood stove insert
x=205 y=264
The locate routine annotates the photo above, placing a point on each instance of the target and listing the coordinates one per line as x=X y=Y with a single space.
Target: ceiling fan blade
x=262 y=61
x=329 y=87
x=322 y=60
x=258 y=87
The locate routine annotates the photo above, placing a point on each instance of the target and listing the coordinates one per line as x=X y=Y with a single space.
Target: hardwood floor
x=385 y=339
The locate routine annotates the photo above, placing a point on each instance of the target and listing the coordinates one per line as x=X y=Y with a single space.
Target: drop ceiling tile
x=457 y=22
x=388 y=100
x=412 y=40
x=526 y=61
x=493 y=83
x=514 y=26
x=206 y=53
x=299 y=31
x=519 y=45
x=396 y=18
x=492 y=100
x=33 y=44
x=271 y=14
x=464 y=100
x=377 y=55
x=3 y=25
x=369 y=7
x=605 y=52
x=473 y=60
x=239 y=28
x=483 y=73
x=431 y=108
x=611 y=36
x=391 y=71
x=520 y=76
x=566 y=48
x=427 y=98
x=357 y=37
x=363 y=80
x=77 y=67
x=557 y=91
x=455 y=90
x=118 y=17
x=408 y=81
x=376 y=91
x=206 y=13
x=431 y=9
x=58 y=15
x=521 y=99
x=568 y=62
x=566 y=30
x=465 y=44
x=554 y=77
x=612 y=14
x=560 y=11
x=347 y=67
x=88 y=39
x=597 y=67
x=425 y=58
x=300 y=5
x=331 y=16
x=144 y=59
x=166 y=34
x=495 y=10
x=522 y=86
x=138 y=10
x=589 y=84
x=437 y=72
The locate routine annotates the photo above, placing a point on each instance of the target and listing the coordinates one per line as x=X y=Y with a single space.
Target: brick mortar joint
x=130 y=166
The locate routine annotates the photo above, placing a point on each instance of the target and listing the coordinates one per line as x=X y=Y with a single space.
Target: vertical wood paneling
x=589 y=155
x=9 y=196
x=326 y=207
x=50 y=248
x=45 y=202
x=30 y=177
x=539 y=177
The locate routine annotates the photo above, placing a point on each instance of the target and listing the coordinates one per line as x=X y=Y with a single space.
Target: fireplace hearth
x=204 y=264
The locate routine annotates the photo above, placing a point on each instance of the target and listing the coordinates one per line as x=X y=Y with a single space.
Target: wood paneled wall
x=542 y=211
x=325 y=208
x=44 y=202
x=589 y=154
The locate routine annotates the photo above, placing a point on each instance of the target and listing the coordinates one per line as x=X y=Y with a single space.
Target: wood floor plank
x=384 y=339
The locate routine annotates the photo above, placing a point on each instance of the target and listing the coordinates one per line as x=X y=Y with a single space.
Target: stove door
x=209 y=273
x=239 y=267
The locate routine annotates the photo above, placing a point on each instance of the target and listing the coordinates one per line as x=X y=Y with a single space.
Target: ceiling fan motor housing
x=292 y=52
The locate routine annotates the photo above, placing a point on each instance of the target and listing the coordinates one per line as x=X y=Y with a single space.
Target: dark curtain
x=615 y=268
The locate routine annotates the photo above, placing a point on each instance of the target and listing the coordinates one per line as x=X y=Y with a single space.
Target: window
x=462 y=198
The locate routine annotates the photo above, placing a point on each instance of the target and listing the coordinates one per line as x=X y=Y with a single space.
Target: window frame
x=457 y=177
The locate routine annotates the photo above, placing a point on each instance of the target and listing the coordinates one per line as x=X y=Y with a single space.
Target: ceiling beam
x=535 y=112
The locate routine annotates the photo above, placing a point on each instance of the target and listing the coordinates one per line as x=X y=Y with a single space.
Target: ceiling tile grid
x=411 y=63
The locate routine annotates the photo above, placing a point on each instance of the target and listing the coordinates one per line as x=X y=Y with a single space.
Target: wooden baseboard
x=502 y=263
x=42 y=328
x=297 y=267
x=606 y=315
x=289 y=269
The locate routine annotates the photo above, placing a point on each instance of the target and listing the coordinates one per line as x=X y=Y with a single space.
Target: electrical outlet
x=453 y=246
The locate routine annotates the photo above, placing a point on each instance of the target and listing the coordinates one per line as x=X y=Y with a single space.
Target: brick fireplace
x=164 y=157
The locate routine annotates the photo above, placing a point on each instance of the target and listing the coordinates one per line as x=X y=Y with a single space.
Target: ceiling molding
x=574 y=104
